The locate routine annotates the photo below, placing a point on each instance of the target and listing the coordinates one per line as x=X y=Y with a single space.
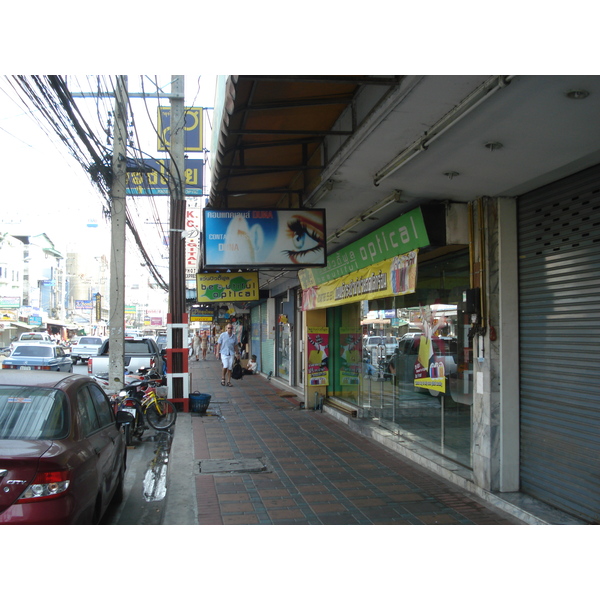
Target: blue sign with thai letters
x=155 y=182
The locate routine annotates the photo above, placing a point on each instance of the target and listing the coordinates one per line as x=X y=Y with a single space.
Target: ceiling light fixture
x=466 y=106
x=577 y=94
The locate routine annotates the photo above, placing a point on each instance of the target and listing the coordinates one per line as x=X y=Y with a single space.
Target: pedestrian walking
x=204 y=344
x=195 y=345
x=228 y=349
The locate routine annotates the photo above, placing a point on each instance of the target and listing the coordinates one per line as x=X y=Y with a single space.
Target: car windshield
x=33 y=351
x=90 y=340
x=31 y=413
x=373 y=341
x=32 y=336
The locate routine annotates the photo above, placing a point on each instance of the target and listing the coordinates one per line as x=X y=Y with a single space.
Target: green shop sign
x=406 y=233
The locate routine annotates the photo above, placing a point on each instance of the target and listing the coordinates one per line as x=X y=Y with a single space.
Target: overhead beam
x=352 y=80
x=321 y=133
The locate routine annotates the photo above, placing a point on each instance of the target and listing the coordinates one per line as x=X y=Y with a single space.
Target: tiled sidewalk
x=316 y=471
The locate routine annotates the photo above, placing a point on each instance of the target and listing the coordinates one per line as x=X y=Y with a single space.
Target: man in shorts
x=227 y=346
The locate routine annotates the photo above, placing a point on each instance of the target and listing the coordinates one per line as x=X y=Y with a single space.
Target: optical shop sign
x=406 y=233
x=396 y=276
x=230 y=287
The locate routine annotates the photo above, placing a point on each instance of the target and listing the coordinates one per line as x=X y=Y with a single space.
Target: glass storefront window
x=414 y=374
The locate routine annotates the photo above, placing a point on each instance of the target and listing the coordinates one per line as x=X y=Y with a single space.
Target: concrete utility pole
x=116 y=364
x=177 y=378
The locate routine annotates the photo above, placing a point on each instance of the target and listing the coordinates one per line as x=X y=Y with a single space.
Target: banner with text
x=226 y=287
x=407 y=232
x=393 y=277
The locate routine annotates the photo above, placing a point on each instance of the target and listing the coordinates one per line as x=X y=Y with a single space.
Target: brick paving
x=317 y=471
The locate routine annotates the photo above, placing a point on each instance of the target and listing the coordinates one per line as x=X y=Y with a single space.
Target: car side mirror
x=123 y=418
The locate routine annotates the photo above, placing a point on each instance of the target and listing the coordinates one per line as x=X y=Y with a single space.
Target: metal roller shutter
x=559 y=278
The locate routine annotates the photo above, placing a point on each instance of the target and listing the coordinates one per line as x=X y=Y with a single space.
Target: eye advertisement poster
x=264 y=238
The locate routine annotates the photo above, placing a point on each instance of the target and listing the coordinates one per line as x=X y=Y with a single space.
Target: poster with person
x=318 y=356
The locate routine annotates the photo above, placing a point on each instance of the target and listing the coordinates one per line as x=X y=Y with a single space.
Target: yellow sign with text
x=391 y=277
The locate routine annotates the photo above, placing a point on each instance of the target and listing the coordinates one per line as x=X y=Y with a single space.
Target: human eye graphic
x=306 y=237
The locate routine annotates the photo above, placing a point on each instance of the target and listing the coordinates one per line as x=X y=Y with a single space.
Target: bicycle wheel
x=161 y=415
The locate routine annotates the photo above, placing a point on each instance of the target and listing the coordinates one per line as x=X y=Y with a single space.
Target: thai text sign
x=401 y=235
x=156 y=181
x=269 y=238
x=226 y=287
x=393 y=277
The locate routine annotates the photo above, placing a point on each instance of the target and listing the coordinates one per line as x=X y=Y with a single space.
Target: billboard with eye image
x=287 y=238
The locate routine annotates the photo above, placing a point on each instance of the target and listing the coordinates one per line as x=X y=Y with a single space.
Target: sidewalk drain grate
x=241 y=465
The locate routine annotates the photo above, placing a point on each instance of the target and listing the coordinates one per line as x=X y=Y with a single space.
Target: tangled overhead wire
x=49 y=96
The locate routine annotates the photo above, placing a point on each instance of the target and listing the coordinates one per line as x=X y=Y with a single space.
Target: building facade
x=461 y=224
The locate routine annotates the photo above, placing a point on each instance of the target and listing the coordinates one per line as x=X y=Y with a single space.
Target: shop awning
x=16 y=325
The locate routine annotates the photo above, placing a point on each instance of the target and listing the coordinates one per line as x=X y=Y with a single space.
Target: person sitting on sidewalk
x=251 y=366
x=227 y=348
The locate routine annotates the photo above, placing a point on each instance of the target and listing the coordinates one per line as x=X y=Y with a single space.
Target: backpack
x=237 y=372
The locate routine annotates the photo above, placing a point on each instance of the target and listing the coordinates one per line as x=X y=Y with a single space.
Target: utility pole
x=178 y=372
x=116 y=364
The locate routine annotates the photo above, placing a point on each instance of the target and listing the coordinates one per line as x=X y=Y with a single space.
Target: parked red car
x=62 y=450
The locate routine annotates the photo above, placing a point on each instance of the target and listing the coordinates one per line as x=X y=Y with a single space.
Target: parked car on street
x=44 y=356
x=86 y=346
x=62 y=450
x=32 y=336
x=139 y=354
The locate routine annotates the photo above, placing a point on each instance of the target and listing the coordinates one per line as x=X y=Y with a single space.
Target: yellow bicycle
x=159 y=412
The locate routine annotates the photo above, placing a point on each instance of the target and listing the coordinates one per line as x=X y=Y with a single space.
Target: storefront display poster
x=350 y=356
x=318 y=356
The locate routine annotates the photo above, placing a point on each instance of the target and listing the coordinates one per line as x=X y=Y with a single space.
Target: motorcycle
x=130 y=397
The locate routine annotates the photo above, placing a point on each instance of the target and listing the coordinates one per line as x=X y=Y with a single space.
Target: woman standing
x=204 y=344
x=196 y=343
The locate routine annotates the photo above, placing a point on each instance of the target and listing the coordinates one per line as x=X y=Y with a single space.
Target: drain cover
x=240 y=465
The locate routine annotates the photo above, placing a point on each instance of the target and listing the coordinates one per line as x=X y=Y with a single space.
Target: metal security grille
x=559 y=278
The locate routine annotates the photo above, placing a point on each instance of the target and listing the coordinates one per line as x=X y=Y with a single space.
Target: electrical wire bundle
x=50 y=97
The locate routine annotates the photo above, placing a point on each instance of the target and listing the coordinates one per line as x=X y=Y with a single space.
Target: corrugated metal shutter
x=559 y=278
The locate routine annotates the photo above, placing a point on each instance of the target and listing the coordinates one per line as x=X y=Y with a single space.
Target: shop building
x=478 y=257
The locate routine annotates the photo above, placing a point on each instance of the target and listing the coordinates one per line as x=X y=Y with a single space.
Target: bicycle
x=160 y=413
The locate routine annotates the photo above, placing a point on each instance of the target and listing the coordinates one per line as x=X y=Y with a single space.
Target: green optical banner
x=290 y=238
x=400 y=236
